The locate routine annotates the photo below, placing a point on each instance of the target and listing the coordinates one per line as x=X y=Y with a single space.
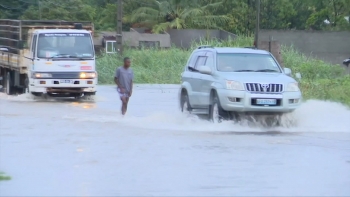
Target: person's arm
x=116 y=80
x=132 y=82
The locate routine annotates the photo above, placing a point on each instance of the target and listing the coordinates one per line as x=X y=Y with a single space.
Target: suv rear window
x=245 y=62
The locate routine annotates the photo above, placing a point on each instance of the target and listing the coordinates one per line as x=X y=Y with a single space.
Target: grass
x=3 y=177
x=320 y=80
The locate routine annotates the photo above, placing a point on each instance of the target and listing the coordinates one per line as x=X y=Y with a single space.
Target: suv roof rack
x=205 y=46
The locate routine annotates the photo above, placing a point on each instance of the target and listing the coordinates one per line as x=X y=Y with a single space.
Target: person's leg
x=122 y=96
x=124 y=104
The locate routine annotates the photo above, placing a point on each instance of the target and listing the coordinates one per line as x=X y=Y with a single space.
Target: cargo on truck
x=54 y=58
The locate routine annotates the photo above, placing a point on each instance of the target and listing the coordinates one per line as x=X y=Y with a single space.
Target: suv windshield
x=245 y=62
x=65 y=45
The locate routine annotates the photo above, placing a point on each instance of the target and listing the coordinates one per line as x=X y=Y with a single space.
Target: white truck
x=47 y=58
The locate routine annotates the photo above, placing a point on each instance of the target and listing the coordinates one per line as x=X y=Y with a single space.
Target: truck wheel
x=2 y=78
x=185 y=104
x=8 y=84
x=216 y=114
x=88 y=98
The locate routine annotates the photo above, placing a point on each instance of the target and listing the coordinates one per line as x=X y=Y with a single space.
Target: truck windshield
x=245 y=62
x=65 y=45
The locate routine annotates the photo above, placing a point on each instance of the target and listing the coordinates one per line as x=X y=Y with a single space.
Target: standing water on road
x=61 y=147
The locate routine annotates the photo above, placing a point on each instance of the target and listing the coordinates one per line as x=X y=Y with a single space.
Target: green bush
x=311 y=69
x=320 y=80
x=150 y=65
x=3 y=177
x=153 y=65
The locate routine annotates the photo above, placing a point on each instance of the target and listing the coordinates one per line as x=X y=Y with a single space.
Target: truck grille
x=66 y=75
x=264 y=87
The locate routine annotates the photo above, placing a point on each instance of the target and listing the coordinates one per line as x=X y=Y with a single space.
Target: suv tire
x=216 y=113
x=185 y=104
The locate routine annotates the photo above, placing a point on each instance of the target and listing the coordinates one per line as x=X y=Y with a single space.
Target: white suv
x=226 y=83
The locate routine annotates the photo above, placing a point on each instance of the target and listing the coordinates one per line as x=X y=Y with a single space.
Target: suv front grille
x=264 y=87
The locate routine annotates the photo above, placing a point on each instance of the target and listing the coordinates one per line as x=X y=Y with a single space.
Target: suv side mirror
x=204 y=70
x=288 y=71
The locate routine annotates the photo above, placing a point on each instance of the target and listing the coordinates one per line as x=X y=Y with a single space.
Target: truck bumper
x=246 y=102
x=62 y=85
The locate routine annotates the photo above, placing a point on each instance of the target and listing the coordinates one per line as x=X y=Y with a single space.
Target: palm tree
x=162 y=15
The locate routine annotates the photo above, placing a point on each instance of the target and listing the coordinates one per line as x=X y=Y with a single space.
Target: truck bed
x=10 y=60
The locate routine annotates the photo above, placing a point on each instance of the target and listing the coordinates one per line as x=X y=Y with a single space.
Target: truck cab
x=55 y=58
x=61 y=63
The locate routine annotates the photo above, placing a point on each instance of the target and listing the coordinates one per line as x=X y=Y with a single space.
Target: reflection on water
x=85 y=105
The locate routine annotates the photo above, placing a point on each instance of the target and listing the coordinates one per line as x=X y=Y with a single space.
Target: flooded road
x=68 y=148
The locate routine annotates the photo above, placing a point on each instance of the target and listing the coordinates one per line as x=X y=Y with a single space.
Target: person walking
x=124 y=77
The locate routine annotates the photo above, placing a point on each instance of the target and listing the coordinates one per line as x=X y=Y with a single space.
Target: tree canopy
x=237 y=16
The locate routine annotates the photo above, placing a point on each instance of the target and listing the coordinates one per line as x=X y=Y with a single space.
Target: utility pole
x=39 y=6
x=257 y=23
x=119 y=37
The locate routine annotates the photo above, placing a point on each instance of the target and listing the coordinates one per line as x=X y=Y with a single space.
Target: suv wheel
x=185 y=104
x=216 y=114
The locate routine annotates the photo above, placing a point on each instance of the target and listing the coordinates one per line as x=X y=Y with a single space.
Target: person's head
x=127 y=62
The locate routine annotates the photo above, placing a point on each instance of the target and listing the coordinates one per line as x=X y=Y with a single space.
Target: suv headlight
x=88 y=75
x=42 y=75
x=234 y=85
x=293 y=87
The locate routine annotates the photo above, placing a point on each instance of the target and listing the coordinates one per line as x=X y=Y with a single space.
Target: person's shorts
x=126 y=94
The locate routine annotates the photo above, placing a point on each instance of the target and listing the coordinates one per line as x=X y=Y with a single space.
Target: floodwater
x=68 y=148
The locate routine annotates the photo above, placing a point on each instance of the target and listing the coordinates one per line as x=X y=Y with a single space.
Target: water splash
x=312 y=116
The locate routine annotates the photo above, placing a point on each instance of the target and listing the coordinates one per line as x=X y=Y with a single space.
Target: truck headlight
x=234 y=85
x=293 y=87
x=88 y=75
x=42 y=75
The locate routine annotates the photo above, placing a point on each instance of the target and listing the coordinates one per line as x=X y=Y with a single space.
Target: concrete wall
x=184 y=37
x=332 y=47
x=133 y=38
x=180 y=38
x=274 y=47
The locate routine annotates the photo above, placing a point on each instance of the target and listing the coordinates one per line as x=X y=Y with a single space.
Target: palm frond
x=143 y=13
x=178 y=23
x=213 y=5
x=161 y=27
x=194 y=12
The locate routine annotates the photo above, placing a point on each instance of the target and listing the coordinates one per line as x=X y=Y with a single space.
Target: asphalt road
x=68 y=148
